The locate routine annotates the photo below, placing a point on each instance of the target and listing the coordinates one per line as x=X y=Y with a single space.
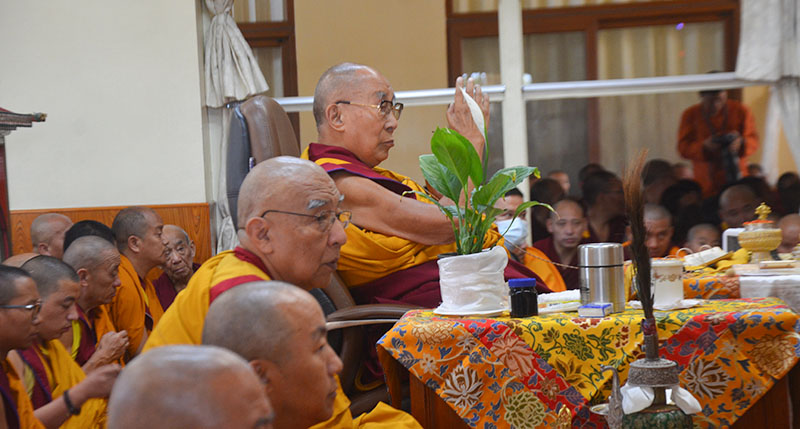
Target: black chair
x=259 y=130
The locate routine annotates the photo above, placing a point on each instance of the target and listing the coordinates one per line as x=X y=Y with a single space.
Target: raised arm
x=459 y=116
x=377 y=209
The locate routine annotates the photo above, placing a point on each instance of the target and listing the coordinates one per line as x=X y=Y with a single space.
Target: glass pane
x=467 y=6
x=269 y=60
x=259 y=11
x=555 y=127
x=630 y=122
x=663 y=50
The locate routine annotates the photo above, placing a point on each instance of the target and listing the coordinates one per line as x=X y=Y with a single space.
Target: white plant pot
x=473 y=284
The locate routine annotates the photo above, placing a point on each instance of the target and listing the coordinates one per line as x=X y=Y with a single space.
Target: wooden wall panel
x=194 y=218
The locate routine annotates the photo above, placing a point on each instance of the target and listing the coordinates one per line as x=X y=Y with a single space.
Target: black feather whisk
x=634 y=205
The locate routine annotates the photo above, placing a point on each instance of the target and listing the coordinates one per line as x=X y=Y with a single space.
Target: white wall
x=120 y=82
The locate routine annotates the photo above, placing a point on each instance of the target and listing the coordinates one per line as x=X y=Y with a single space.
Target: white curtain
x=769 y=49
x=231 y=74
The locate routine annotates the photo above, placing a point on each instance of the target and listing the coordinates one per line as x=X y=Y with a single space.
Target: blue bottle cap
x=520 y=283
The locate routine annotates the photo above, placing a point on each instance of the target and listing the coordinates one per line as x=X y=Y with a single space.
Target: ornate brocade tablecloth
x=505 y=372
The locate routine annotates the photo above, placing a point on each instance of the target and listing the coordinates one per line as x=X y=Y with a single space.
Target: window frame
x=278 y=34
x=590 y=20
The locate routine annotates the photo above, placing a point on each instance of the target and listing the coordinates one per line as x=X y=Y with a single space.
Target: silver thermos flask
x=602 y=278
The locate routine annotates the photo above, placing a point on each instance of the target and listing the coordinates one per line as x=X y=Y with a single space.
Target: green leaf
x=488 y=194
x=455 y=152
x=439 y=177
x=517 y=175
x=528 y=204
x=452 y=153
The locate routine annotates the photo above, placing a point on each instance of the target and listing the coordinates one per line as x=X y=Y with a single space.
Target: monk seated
x=61 y=393
x=178 y=267
x=291 y=229
x=293 y=357
x=395 y=239
x=19 y=309
x=93 y=340
x=135 y=308
x=195 y=387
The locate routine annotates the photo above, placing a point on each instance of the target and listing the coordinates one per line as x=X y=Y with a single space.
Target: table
x=522 y=372
x=786 y=288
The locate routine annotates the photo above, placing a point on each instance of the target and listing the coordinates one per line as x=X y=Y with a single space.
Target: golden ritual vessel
x=760 y=237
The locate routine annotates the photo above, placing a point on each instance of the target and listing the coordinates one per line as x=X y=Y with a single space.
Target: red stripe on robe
x=41 y=394
x=243 y=255
x=12 y=418
x=88 y=341
x=353 y=166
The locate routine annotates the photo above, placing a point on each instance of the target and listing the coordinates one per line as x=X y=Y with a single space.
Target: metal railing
x=562 y=90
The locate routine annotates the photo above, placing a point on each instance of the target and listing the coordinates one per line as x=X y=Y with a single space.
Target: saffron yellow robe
x=62 y=374
x=87 y=332
x=135 y=307
x=544 y=268
x=184 y=319
x=20 y=398
x=369 y=255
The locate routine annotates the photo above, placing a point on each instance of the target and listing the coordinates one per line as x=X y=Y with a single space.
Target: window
x=611 y=41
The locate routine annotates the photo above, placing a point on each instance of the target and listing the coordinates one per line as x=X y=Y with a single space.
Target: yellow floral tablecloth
x=711 y=287
x=503 y=372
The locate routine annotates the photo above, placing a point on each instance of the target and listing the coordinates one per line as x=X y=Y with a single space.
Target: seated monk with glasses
x=291 y=227
x=395 y=239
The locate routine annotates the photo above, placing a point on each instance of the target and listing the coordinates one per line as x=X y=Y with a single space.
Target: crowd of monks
x=92 y=338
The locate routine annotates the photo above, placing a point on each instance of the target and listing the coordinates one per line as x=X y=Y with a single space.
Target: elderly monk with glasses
x=291 y=227
x=395 y=239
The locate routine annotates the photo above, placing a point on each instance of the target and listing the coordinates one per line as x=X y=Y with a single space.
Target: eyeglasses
x=324 y=220
x=384 y=108
x=34 y=308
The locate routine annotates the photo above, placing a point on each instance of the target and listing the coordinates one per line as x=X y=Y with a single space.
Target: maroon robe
x=571 y=276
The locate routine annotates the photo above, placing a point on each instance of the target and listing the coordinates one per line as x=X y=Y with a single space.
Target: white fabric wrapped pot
x=473 y=284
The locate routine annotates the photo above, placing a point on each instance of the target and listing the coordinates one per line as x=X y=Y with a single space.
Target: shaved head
x=175 y=229
x=47 y=233
x=48 y=272
x=737 y=205
x=8 y=282
x=332 y=82
x=131 y=221
x=272 y=182
x=18 y=260
x=231 y=317
x=88 y=252
x=188 y=387
x=281 y=330
x=656 y=212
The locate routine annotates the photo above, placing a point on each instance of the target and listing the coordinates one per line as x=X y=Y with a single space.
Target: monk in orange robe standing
x=136 y=308
x=19 y=309
x=714 y=132
x=93 y=340
x=61 y=393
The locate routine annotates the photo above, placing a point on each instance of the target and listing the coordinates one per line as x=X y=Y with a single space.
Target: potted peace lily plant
x=472 y=281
